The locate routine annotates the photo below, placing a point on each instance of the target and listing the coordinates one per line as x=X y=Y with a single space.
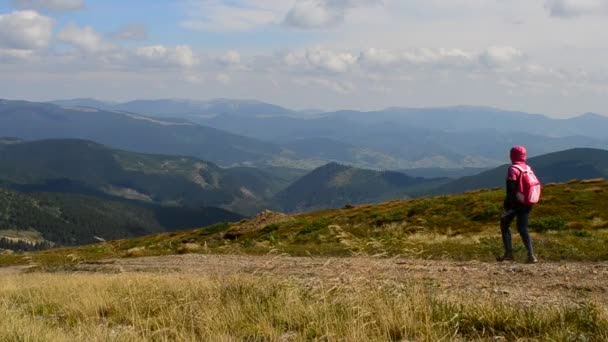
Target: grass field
x=169 y=307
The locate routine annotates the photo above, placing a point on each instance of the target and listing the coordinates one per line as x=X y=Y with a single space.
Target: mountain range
x=69 y=191
x=85 y=167
x=394 y=138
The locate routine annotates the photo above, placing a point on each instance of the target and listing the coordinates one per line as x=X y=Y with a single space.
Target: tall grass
x=157 y=307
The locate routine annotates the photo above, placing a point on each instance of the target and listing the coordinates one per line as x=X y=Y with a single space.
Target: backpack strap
x=521 y=168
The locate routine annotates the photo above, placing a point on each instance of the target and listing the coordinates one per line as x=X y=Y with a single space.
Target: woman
x=515 y=207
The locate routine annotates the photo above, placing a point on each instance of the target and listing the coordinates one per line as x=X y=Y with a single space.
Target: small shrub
x=486 y=211
x=548 y=223
x=581 y=233
x=214 y=228
x=419 y=208
x=135 y=252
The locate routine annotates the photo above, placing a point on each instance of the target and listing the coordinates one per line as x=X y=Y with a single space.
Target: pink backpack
x=529 y=187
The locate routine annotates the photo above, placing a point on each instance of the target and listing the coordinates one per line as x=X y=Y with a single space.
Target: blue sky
x=544 y=56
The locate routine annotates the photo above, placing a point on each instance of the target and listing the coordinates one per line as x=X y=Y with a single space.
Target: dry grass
x=172 y=307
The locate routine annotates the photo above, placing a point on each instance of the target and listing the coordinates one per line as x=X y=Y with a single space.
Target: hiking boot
x=531 y=259
x=504 y=258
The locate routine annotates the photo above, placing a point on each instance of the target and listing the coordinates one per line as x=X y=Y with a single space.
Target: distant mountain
x=68 y=219
x=393 y=138
x=393 y=145
x=578 y=163
x=86 y=102
x=184 y=108
x=471 y=118
x=84 y=167
x=34 y=121
x=334 y=185
x=437 y=172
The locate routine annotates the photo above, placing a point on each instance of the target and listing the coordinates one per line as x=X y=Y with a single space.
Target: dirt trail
x=540 y=284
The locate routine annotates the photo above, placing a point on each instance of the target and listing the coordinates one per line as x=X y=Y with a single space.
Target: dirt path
x=540 y=284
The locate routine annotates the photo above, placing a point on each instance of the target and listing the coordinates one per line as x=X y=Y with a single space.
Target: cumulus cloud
x=420 y=56
x=159 y=55
x=325 y=60
x=25 y=30
x=498 y=56
x=49 y=5
x=574 y=8
x=312 y=14
x=135 y=32
x=84 y=38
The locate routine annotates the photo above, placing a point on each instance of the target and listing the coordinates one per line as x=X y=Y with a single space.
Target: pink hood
x=519 y=155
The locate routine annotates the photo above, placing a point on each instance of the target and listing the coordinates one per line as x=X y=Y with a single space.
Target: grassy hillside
x=578 y=163
x=334 y=185
x=63 y=219
x=85 y=167
x=571 y=223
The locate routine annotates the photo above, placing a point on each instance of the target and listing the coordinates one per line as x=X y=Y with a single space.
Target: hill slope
x=85 y=167
x=571 y=223
x=63 y=219
x=335 y=185
x=578 y=163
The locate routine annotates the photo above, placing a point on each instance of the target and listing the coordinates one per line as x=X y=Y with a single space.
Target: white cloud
x=231 y=57
x=25 y=30
x=324 y=60
x=420 y=56
x=574 y=8
x=159 y=55
x=85 y=39
x=498 y=56
x=217 y=15
x=15 y=55
x=312 y=14
x=50 y=5
x=135 y=32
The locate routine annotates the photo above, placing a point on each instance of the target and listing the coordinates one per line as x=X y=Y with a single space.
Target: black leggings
x=522 y=214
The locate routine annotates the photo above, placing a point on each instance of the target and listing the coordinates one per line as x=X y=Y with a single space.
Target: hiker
x=523 y=191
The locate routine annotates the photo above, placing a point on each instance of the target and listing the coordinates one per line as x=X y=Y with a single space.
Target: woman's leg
x=522 y=226
x=505 y=223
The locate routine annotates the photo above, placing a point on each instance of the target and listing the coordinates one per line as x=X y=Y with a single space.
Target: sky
x=542 y=56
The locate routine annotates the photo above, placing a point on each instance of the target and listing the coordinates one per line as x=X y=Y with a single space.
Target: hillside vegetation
x=571 y=223
x=68 y=219
x=85 y=167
